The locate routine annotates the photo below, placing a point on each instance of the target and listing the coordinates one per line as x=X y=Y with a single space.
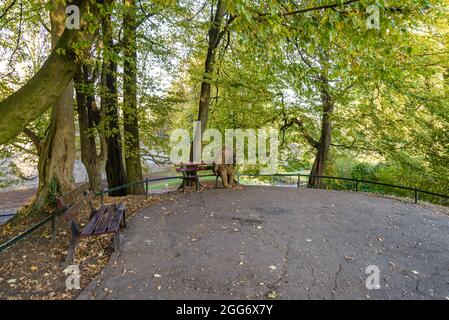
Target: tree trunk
x=45 y=88
x=130 y=113
x=88 y=119
x=57 y=154
x=115 y=170
x=215 y=37
x=319 y=165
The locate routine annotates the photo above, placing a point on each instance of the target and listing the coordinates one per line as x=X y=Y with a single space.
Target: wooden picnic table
x=190 y=173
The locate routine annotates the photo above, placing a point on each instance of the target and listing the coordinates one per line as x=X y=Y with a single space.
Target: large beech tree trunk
x=319 y=165
x=57 y=153
x=130 y=113
x=44 y=89
x=89 y=120
x=115 y=170
x=214 y=36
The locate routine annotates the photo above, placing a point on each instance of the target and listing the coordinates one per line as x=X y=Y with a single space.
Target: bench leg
x=197 y=183
x=53 y=229
x=117 y=242
x=123 y=222
x=183 y=184
x=73 y=242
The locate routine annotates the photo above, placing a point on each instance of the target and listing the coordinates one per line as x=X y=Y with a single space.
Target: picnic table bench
x=190 y=173
x=107 y=219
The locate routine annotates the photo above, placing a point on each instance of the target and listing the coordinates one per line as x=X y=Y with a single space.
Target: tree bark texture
x=45 y=88
x=115 y=169
x=130 y=112
x=57 y=153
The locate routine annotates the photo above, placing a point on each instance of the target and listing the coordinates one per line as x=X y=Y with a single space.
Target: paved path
x=282 y=243
x=13 y=200
x=7 y=214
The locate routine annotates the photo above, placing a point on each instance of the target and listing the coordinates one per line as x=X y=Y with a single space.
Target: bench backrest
x=77 y=207
x=75 y=201
x=71 y=197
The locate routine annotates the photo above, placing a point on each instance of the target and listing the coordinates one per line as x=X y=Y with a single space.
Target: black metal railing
x=54 y=214
x=51 y=218
x=357 y=182
x=146 y=182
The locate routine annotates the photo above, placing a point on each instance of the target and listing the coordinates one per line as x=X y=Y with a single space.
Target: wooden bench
x=190 y=173
x=107 y=219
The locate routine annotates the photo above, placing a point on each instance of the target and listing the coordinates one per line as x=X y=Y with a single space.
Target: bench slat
x=114 y=226
x=197 y=176
x=192 y=169
x=183 y=164
x=105 y=220
x=186 y=169
x=90 y=227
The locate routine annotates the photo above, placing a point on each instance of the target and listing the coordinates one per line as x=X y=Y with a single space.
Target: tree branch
x=323 y=7
x=34 y=138
x=225 y=30
x=47 y=28
x=7 y=9
x=45 y=87
x=303 y=131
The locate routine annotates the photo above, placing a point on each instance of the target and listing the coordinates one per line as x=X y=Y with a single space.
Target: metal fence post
x=146 y=188
x=416 y=195
x=356 y=185
x=53 y=229
x=298 y=184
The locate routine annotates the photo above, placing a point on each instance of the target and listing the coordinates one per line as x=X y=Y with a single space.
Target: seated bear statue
x=224 y=166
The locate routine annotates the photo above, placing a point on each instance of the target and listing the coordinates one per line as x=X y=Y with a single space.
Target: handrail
x=147 y=180
x=57 y=212
x=22 y=235
x=345 y=179
x=135 y=183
